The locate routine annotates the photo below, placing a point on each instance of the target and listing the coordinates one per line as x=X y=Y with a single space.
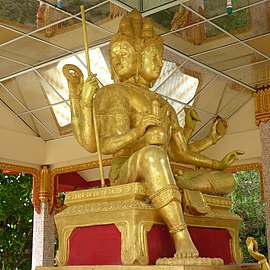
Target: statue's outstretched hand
x=146 y=121
x=230 y=158
x=191 y=118
x=90 y=87
x=219 y=128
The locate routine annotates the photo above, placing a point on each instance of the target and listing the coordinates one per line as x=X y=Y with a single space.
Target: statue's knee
x=153 y=155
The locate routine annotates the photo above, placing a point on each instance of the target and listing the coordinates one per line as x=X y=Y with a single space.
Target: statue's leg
x=208 y=182
x=151 y=164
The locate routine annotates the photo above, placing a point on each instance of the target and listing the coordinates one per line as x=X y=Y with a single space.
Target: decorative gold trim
x=247 y=167
x=80 y=167
x=36 y=180
x=262 y=86
x=262 y=106
x=235 y=245
x=47 y=189
x=19 y=168
x=155 y=267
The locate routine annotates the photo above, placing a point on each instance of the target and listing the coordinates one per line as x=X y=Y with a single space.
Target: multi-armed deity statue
x=141 y=130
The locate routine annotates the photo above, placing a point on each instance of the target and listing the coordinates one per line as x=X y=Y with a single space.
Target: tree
x=16 y=214
x=247 y=204
x=20 y=11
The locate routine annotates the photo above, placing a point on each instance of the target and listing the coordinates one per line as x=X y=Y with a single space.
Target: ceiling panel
x=8 y=67
x=37 y=127
x=252 y=74
x=261 y=44
x=31 y=90
x=229 y=57
x=239 y=100
x=7 y=34
x=30 y=51
x=217 y=95
x=204 y=75
x=46 y=117
x=194 y=39
x=11 y=101
x=225 y=53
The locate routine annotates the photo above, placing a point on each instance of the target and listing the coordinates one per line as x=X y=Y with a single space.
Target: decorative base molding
x=126 y=207
x=156 y=267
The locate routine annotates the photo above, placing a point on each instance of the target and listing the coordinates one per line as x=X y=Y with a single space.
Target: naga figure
x=252 y=247
x=141 y=130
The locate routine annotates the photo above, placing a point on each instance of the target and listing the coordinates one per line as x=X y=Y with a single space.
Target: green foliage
x=16 y=214
x=248 y=205
x=231 y=22
x=164 y=17
x=20 y=11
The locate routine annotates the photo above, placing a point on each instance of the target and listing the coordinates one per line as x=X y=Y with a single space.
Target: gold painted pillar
x=43 y=223
x=262 y=115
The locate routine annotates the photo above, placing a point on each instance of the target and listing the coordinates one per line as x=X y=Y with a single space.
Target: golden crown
x=139 y=32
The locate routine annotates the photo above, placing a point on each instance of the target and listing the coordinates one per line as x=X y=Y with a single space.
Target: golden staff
x=94 y=110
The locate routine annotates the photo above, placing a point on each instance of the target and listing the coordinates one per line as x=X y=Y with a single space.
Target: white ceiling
x=229 y=54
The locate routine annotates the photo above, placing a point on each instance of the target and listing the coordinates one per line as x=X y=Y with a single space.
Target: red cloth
x=97 y=245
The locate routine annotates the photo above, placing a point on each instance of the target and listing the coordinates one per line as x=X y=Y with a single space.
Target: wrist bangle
x=74 y=97
x=214 y=140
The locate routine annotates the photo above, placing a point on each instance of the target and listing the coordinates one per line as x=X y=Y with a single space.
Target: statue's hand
x=74 y=77
x=146 y=121
x=177 y=173
x=230 y=158
x=191 y=118
x=219 y=128
x=89 y=88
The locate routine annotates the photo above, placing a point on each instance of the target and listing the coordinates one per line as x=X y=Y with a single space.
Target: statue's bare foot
x=184 y=245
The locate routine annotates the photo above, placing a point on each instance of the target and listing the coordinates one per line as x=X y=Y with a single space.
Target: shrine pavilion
x=216 y=61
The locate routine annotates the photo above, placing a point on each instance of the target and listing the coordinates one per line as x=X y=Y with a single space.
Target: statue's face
x=151 y=63
x=123 y=59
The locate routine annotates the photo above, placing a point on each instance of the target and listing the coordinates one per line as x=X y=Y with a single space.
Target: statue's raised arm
x=81 y=103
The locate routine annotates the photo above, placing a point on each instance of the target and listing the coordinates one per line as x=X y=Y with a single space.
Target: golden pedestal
x=127 y=207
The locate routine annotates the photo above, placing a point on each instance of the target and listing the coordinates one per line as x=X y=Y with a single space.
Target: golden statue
x=141 y=130
x=252 y=247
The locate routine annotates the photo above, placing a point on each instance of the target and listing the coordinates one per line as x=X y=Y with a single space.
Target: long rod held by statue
x=94 y=110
